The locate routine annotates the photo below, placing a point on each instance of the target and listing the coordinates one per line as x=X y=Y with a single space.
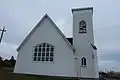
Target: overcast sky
x=20 y=16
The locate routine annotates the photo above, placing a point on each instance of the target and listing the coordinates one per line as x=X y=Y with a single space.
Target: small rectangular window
x=51 y=58
x=47 y=49
x=44 y=45
x=43 y=58
x=47 y=45
x=52 y=49
x=35 y=59
x=35 y=54
x=47 y=54
x=51 y=54
x=39 y=54
x=43 y=54
x=35 y=49
x=47 y=58
x=43 y=49
x=39 y=49
x=38 y=58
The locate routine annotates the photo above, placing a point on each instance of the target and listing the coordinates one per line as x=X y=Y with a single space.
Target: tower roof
x=80 y=9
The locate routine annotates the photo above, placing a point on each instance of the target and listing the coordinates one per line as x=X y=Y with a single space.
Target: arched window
x=82 y=27
x=83 y=61
x=43 y=52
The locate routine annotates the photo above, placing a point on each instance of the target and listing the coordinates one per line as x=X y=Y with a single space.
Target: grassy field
x=6 y=74
x=35 y=77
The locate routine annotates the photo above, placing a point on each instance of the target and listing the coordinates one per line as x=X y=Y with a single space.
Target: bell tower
x=83 y=42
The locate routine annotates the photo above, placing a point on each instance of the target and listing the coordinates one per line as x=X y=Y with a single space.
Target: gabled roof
x=35 y=28
x=70 y=40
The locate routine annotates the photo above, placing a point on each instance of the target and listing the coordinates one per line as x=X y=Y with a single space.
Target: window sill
x=82 y=32
x=44 y=62
x=84 y=66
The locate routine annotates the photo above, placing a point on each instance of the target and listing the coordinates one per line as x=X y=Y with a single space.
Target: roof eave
x=81 y=9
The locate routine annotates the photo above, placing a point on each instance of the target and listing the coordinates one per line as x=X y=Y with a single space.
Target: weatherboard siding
x=81 y=43
x=63 y=64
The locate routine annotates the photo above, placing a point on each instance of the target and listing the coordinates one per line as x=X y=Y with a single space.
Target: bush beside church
x=7 y=63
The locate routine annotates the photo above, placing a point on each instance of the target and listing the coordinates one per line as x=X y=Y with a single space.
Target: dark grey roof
x=79 y=9
x=93 y=46
x=70 y=40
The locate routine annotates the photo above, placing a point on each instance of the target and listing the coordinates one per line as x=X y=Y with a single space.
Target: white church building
x=46 y=51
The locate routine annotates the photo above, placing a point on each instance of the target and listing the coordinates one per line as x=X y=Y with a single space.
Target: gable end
x=35 y=28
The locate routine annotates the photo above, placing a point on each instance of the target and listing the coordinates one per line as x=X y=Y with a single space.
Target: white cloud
x=109 y=65
x=8 y=49
x=65 y=26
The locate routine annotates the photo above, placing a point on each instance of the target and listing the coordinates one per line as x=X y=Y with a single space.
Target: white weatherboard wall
x=96 y=64
x=82 y=42
x=63 y=64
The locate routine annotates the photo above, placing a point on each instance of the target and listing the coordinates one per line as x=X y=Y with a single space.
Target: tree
x=12 y=61
x=0 y=62
x=0 y=58
x=6 y=63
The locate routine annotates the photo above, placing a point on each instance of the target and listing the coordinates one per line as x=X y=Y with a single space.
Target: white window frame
x=83 y=62
x=50 y=52
x=82 y=27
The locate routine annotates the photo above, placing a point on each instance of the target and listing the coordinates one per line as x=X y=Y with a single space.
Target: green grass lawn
x=36 y=77
x=6 y=74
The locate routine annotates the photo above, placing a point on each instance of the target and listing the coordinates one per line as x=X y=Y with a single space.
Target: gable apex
x=46 y=15
x=35 y=28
